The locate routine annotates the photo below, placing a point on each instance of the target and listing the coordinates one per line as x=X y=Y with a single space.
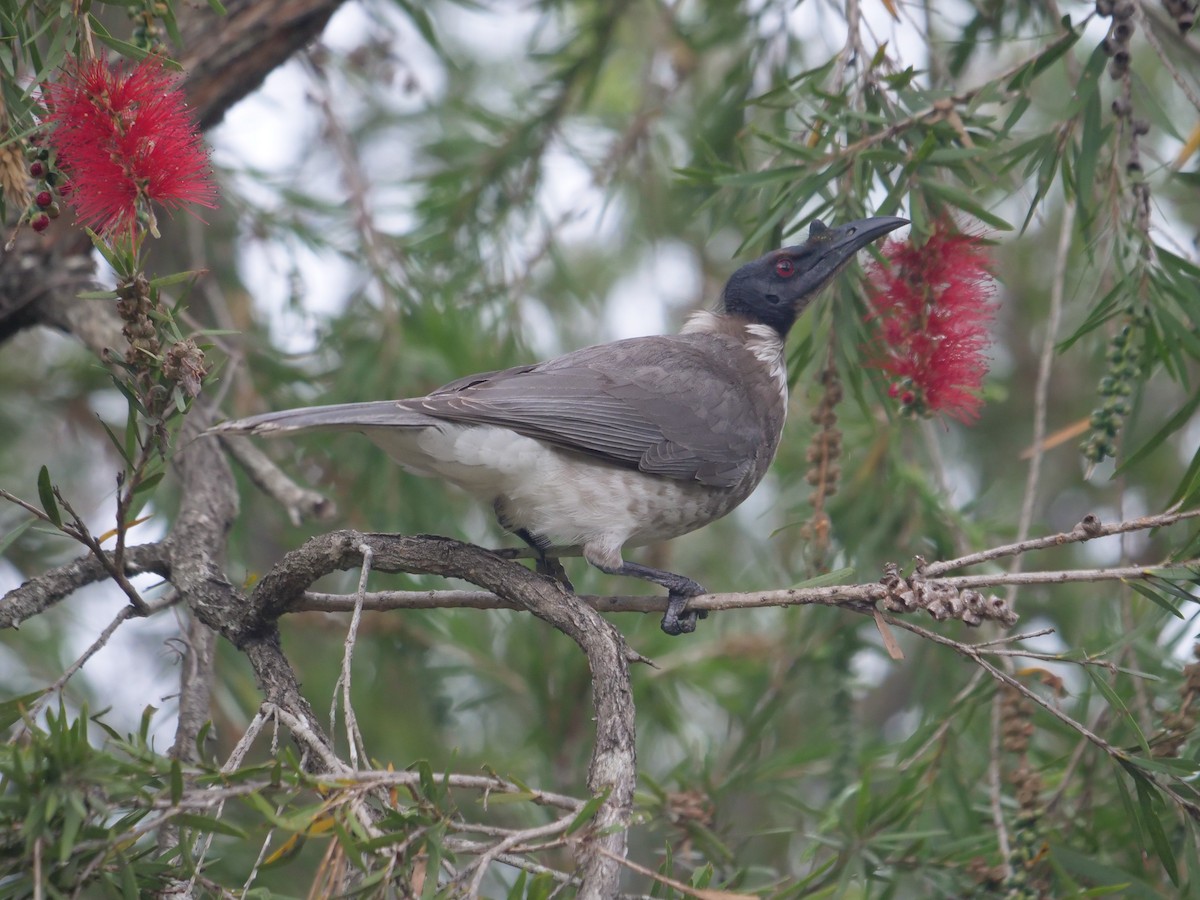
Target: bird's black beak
x=827 y=250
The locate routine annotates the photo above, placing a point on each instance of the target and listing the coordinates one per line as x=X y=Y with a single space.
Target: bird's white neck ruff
x=761 y=340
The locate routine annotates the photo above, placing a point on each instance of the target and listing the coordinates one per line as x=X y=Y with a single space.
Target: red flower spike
x=930 y=306
x=125 y=138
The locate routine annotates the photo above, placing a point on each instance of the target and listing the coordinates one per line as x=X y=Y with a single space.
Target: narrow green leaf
x=13 y=536
x=964 y=201
x=119 y=444
x=1154 y=597
x=207 y=825
x=1090 y=142
x=433 y=846
x=588 y=811
x=767 y=176
x=126 y=49
x=217 y=7
x=1044 y=60
x=1190 y=483
x=176 y=782
x=115 y=261
x=1181 y=417
x=175 y=278
x=129 y=885
x=1165 y=584
x=1147 y=793
x=12 y=710
x=46 y=494
x=1117 y=704
x=149 y=482
x=837 y=576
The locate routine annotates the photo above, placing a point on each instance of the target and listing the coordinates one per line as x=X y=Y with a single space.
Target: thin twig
x=1089 y=529
x=1041 y=390
x=847 y=596
x=1164 y=60
x=947 y=720
x=123 y=615
x=1116 y=753
x=487 y=857
x=353 y=735
x=298 y=502
x=996 y=787
x=114 y=565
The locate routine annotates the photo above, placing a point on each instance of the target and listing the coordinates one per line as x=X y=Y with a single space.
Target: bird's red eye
x=784 y=267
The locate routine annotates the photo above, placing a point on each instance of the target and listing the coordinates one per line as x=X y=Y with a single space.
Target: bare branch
x=43 y=591
x=298 y=502
x=1088 y=529
x=112 y=565
x=354 y=736
x=613 y=765
x=849 y=596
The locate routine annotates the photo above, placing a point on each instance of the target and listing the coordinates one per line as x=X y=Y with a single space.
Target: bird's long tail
x=338 y=417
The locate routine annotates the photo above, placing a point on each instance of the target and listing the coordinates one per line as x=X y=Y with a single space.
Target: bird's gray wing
x=664 y=405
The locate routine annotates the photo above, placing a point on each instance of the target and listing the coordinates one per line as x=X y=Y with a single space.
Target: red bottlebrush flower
x=931 y=308
x=125 y=138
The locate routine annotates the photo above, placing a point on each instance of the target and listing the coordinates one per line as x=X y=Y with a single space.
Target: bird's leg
x=550 y=566
x=545 y=565
x=677 y=619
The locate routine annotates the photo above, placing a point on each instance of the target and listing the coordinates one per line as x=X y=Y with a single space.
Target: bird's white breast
x=566 y=497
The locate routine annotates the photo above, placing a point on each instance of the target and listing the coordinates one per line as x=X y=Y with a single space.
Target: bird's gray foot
x=678 y=619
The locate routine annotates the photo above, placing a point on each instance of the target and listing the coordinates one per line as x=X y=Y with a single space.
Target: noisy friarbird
x=621 y=444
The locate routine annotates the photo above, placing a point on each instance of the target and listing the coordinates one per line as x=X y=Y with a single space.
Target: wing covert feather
x=667 y=406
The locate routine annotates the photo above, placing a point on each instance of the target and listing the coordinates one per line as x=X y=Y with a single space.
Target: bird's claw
x=678 y=619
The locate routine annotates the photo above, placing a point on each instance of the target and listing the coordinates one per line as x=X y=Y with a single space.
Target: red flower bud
x=40 y=222
x=37 y=169
x=43 y=199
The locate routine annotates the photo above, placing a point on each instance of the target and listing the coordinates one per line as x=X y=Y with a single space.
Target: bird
x=621 y=444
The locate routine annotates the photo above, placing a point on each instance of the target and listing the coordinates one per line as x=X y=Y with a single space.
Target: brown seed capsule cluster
x=1178 y=725
x=1016 y=726
x=826 y=448
x=134 y=305
x=990 y=878
x=1183 y=12
x=692 y=806
x=942 y=601
x=184 y=364
x=1027 y=840
x=824 y=469
x=1120 y=32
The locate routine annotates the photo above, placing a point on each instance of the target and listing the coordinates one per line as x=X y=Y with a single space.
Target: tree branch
x=613 y=764
x=43 y=591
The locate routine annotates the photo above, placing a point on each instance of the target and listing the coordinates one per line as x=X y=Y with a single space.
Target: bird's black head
x=776 y=289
